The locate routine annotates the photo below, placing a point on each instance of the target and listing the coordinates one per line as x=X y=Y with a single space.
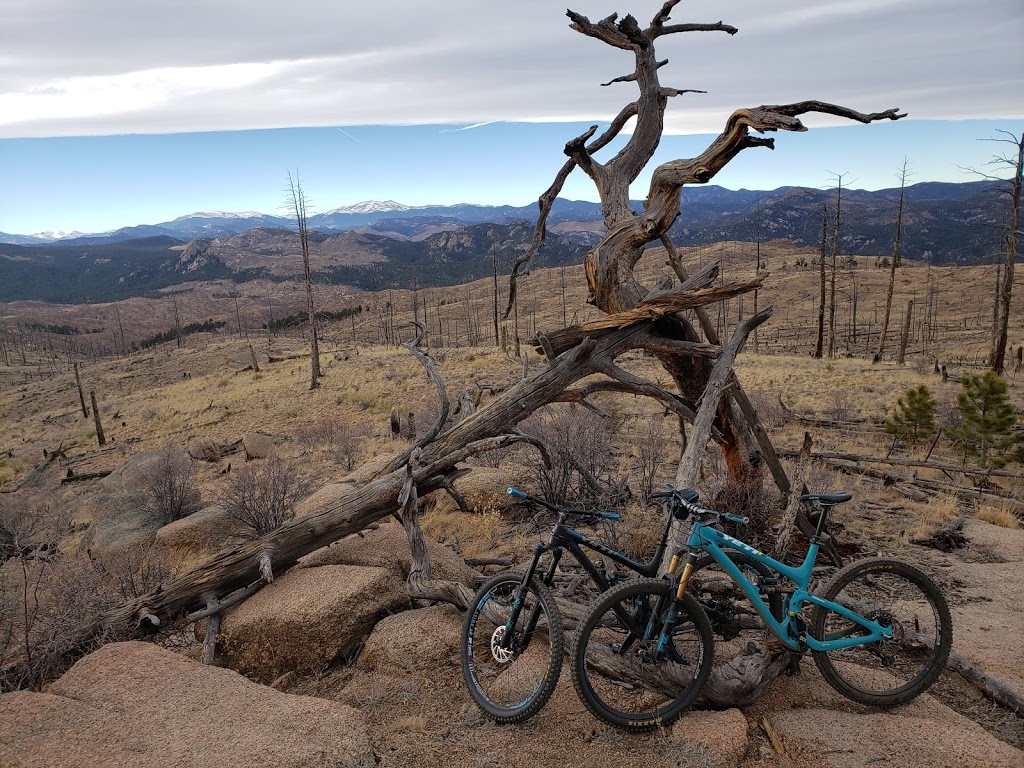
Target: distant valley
x=376 y=245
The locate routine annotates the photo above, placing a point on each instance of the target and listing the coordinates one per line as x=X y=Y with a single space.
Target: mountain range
x=378 y=244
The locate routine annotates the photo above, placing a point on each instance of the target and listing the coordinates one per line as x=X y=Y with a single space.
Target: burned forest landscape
x=309 y=489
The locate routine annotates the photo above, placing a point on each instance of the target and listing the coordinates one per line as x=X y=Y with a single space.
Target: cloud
x=116 y=66
x=474 y=125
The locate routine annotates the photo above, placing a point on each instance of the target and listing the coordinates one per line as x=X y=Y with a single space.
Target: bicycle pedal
x=793 y=665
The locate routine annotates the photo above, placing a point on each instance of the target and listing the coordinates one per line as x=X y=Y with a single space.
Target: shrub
x=169 y=487
x=262 y=495
x=582 y=462
x=653 y=455
x=914 y=416
x=18 y=525
x=987 y=422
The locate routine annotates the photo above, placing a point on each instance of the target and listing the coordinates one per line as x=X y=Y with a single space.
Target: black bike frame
x=565 y=538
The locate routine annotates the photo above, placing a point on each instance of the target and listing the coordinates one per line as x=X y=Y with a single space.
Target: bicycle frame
x=706 y=538
x=565 y=538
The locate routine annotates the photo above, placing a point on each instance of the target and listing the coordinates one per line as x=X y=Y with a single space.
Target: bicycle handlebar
x=686 y=498
x=614 y=516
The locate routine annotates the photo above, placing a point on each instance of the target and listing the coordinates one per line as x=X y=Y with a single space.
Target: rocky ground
x=361 y=676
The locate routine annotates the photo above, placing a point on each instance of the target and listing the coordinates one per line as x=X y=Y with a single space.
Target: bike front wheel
x=895 y=670
x=620 y=672
x=512 y=678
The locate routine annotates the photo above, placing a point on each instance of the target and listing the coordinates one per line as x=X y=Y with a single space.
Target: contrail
x=348 y=134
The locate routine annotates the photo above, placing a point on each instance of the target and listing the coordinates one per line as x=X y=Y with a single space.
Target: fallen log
x=897 y=478
x=999 y=692
x=900 y=462
x=85 y=476
x=816 y=421
x=239 y=567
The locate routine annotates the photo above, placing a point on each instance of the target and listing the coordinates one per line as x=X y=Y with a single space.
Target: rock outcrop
x=307 y=619
x=134 y=705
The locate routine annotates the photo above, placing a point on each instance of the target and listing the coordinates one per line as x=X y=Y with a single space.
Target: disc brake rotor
x=501 y=655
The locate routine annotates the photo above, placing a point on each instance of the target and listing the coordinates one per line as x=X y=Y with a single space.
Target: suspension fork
x=520 y=597
x=651 y=628
x=668 y=623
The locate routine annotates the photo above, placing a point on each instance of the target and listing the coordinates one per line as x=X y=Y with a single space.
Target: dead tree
x=905 y=334
x=81 y=394
x=297 y=202
x=1000 y=331
x=609 y=266
x=100 y=437
x=819 y=347
x=895 y=263
x=832 y=274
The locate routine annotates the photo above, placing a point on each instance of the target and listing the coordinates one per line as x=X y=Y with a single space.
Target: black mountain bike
x=512 y=637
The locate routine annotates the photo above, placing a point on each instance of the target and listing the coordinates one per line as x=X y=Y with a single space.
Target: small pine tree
x=988 y=421
x=914 y=416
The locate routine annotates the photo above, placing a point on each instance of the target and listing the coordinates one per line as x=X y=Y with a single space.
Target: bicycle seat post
x=820 y=527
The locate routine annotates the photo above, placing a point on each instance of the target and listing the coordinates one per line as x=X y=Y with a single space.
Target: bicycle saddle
x=827 y=498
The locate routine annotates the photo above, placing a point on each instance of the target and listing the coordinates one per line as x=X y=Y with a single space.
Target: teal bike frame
x=706 y=538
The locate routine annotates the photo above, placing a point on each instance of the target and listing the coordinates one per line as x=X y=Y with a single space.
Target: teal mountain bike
x=880 y=631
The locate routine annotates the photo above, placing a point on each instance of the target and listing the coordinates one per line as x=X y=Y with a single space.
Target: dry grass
x=409 y=724
x=1002 y=516
x=934 y=515
x=198 y=391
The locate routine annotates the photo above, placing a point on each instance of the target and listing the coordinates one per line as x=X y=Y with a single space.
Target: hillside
x=338 y=636
x=77 y=274
x=391 y=246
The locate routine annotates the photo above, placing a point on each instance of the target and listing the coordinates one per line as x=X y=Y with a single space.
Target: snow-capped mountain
x=49 y=237
x=222 y=215
x=373 y=206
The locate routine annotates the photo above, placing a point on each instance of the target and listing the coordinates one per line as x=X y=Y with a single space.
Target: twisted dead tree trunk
x=609 y=266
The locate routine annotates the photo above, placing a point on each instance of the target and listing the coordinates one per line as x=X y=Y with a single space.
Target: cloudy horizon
x=114 y=69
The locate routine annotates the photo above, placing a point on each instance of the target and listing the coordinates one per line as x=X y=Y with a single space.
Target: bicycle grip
x=614 y=516
x=735 y=518
x=517 y=493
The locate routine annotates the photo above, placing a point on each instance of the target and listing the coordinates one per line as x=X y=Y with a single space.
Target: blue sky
x=115 y=113
x=97 y=183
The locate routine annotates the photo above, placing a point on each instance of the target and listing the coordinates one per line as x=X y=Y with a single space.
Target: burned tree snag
x=81 y=394
x=100 y=437
x=819 y=347
x=905 y=335
x=895 y=263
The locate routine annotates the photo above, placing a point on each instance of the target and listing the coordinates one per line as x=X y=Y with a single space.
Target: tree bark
x=81 y=394
x=905 y=335
x=100 y=437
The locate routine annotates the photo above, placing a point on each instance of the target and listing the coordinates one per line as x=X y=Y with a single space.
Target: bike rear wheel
x=512 y=681
x=618 y=671
x=892 y=671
